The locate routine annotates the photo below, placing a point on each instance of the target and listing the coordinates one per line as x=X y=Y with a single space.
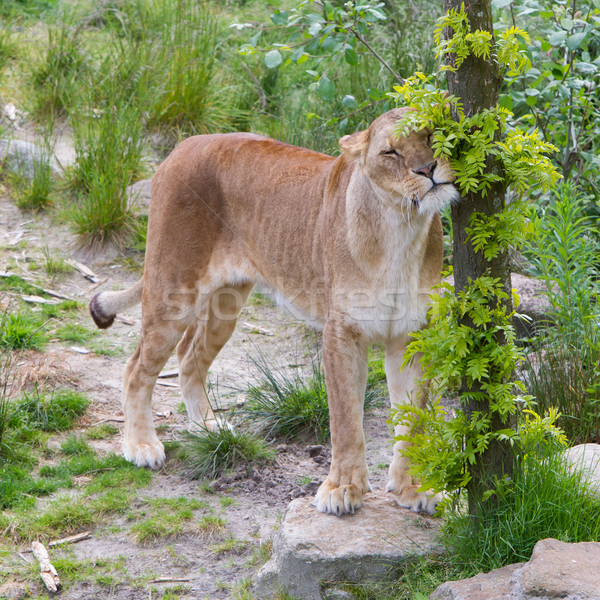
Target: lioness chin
x=354 y=242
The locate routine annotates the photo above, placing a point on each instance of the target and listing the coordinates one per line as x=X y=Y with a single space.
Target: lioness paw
x=419 y=502
x=345 y=499
x=145 y=455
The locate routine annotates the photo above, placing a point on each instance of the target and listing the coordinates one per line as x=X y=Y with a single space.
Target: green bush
x=545 y=499
x=562 y=368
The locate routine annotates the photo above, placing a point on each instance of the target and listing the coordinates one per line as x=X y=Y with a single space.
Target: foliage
x=468 y=141
x=470 y=345
x=559 y=96
x=460 y=354
x=546 y=499
x=562 y=367
x=347 y=55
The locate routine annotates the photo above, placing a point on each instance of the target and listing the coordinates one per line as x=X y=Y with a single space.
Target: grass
x=211 y=453
x=54 y=411
x=33 y=191
x=101 y=432
x=547 y=499
x=54 y=265
x=22 y=331
x=54 y=79
x=169 y=518
x=73 y=332
x=289 y=405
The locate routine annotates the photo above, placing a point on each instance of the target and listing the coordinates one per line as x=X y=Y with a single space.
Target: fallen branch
x=72 y=539
x=170 y=580
x=110 y=419
x=47 y=571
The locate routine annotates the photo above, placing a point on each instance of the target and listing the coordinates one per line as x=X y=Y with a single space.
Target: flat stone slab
x=312 y=549
x=556 y=570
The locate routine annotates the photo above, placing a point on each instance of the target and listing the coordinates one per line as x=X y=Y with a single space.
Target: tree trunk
x=477 y=83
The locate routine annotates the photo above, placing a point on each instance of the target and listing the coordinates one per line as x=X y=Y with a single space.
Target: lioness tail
x=105 y=305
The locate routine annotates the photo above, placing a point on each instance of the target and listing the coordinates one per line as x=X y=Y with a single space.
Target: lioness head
x=402 y=170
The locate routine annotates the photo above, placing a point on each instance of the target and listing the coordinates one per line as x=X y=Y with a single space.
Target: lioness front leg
x=403 y=385
x=345 y=360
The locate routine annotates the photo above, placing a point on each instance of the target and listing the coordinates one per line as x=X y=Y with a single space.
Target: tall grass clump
x=54 y=80
x=212 y=452
x=33 y=190
x=547 y=498
x=21 y=331
x=56 y=411
x=109 y=145
x=291 y=405
x=562 y=371
x=174 y=46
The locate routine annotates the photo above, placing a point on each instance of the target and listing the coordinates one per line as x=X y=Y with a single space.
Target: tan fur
x=354 y=243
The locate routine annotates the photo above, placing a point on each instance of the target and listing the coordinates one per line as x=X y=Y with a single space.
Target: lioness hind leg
x=345 y=361
x=404 y=388
x=200 y=345
x=158 y=339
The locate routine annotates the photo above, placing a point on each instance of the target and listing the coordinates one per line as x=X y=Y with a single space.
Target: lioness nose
x=427 y=170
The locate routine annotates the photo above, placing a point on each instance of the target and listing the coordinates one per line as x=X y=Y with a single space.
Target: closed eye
x=389 y=152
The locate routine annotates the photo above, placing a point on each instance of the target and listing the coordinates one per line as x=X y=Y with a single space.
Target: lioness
x=355 y=242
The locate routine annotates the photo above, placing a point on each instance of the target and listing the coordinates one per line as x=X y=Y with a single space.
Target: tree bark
x=477 y=84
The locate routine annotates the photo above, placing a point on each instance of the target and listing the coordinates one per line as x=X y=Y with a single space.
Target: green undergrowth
x=545 y=499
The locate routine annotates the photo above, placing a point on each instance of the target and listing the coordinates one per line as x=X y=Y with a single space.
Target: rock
x=586 y=457
x=311 y=547
x=21 y=156
x=138 y=195
x=556 y=570
x=533 y=303
x=315 y=450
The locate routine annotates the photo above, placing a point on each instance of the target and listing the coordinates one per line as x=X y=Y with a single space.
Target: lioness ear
x=355 y=143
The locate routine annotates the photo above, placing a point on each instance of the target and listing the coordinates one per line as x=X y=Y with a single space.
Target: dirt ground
x=213 y=566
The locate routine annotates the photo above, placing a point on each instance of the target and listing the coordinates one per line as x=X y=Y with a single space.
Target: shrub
x=562 y=369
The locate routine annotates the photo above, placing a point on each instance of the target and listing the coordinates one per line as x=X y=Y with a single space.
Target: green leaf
x=501 y=3
x=349 y=102
x=315 y=28
x=574 y=41
x=280 y=17
x=351 y=56
x=556 y=38
x=273 y=59
x=326 y=89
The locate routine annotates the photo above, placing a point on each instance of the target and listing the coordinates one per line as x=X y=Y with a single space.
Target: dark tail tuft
x=102 y=320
